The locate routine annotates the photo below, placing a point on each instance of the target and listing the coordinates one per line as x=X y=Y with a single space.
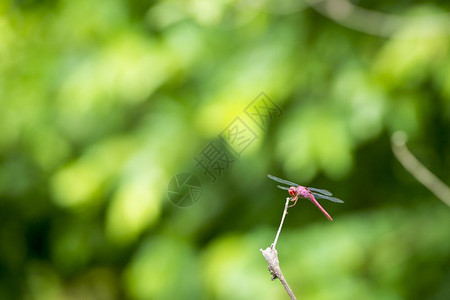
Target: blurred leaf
x=163 y=268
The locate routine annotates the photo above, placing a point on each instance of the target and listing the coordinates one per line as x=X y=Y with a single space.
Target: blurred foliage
x=102 y=103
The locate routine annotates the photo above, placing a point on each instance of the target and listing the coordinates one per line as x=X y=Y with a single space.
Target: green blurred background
x=104 y=102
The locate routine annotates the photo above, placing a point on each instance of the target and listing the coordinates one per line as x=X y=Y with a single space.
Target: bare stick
x=271 y=256
x=282 y=221
x=422 y=174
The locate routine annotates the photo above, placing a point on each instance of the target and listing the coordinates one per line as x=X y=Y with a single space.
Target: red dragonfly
x=296 y=191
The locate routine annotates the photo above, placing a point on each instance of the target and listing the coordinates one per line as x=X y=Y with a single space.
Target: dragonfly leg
x=294 y=199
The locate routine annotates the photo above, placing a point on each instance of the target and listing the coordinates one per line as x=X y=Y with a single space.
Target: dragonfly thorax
x=299 y=191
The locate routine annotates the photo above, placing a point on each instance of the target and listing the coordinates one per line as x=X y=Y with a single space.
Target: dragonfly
x=297 y=191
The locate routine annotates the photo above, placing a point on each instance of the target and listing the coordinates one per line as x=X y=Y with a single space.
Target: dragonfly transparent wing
x=319 y=196
x=290 y=183
x=322 y=191
x=283 y=187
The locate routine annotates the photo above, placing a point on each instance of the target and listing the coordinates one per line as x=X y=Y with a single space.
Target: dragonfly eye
x=292 y=191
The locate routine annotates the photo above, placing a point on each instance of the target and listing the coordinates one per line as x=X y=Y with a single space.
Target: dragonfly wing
x=322 y=191
x=334 y=199
x=283 y=187
x=290 y=183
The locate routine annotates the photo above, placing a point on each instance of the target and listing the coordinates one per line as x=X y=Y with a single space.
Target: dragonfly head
x=292 y=191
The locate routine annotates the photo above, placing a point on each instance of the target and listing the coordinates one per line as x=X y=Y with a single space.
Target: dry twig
x=271 y=256
x=422 y=174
